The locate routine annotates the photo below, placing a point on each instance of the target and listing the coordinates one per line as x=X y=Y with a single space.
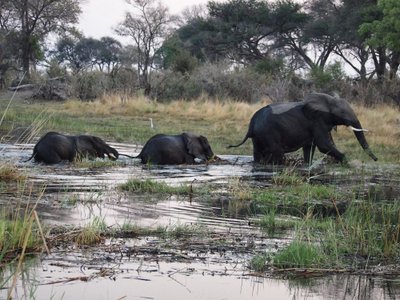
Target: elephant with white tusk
x=280 y=128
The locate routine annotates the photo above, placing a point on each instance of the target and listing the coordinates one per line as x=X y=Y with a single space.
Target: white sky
x=99 y=17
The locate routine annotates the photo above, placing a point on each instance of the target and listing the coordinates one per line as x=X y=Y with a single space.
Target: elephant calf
x=164 y=149
x=55 y=147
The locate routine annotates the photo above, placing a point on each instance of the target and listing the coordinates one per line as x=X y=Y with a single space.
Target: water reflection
x=67 y=279
x=75 y=196
x=350 y=287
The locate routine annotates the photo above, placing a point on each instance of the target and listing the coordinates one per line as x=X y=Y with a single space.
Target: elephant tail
x=32 y=156
x=126 y=155
x=241 y=143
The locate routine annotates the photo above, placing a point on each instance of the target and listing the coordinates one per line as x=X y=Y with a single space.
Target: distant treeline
x=237 y=49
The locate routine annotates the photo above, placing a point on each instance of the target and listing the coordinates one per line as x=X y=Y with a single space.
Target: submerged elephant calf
x=164 y=149
x=280 y=128
x=55 y=147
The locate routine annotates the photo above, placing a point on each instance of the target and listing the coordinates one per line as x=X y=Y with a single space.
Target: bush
x=216 y=81
x=89 y=85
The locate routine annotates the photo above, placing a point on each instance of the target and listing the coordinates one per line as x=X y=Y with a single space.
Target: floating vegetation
x=152 y=186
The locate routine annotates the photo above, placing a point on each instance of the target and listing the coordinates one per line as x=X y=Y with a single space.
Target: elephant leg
x=308 y=153
x=264 y=154
x=52 y=158
x=258 y=157
x=277 y=158
x=325 y=144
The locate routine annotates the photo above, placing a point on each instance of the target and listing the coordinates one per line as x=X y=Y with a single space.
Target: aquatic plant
x=91 y=233
x=152 y=186
x=300 y=254
x=258 y=262
x=288 y=176
x=15 y=230
x=297 y=200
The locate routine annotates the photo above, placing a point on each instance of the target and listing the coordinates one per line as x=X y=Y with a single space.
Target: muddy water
x=149 y=268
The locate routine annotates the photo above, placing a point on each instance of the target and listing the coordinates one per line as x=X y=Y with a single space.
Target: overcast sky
x=99 y=17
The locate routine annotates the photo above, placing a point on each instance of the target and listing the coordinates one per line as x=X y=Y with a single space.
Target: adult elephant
x=55 y=147
x=164 y=149
x=280 y=128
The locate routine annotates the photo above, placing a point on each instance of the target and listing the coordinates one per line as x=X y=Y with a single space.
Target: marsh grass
x=296 y=200
x=288 y=176
x=369 y=229
x=9 y=172
x=91 y=233
x=300 y=254
x=365 y=233
x=258 y=262
x=154 y=187
x=16 y=227
x=273 y=223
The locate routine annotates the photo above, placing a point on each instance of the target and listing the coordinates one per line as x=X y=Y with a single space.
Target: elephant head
x=328 y=112
x=93 y=146
x=197 y=146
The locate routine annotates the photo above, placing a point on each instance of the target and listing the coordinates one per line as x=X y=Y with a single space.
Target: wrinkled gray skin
x=53 y=148
x=179 y=149
x=280 y=128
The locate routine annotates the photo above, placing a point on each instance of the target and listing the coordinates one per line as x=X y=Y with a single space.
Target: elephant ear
x=316 y=105
x=193 y=145
x=189 y=144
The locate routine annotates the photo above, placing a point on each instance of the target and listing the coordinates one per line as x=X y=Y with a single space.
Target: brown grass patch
x=202 y=109
x=9 y=172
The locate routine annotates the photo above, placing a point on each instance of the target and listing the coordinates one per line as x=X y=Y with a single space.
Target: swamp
x=229 y=229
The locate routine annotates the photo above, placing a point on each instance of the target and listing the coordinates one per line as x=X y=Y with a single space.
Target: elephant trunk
x=359 y=133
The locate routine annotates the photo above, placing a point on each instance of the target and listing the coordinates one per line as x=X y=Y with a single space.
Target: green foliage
x=216 y=81
x=298 y=199
x=151 y=186
x=258 y=263
x=176 y=57
x=269 y=66
x=384 y=31
x=89 y=85
x=15 y=229
x=300 y=254
x=329 y=78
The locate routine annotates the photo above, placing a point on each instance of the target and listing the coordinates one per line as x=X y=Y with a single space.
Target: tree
x=247 y=31
x=109 y=54
x=82 y=53
x=383 y=35
x=147 y=25
x=350 y=15
x=173 y=55
x=8 y=56
x=34 y=20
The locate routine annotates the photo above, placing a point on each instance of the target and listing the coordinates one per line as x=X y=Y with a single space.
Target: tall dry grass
x=201 y=109
x=383 y=123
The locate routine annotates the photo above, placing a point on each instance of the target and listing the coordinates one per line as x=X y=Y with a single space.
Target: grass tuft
x=91 y=234
x=151 y=186
x=15 y=229
x=9 y=172
x=300 y=254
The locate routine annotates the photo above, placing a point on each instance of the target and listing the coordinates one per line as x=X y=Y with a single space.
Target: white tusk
x=358 y=129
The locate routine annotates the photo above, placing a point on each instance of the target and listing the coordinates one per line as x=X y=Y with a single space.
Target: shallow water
x=125 y=269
